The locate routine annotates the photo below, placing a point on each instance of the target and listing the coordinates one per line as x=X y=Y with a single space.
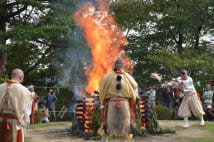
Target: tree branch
x=5 y=18
x=38 y=61
x=46 y=43
x=173 y=36
x=12 y=4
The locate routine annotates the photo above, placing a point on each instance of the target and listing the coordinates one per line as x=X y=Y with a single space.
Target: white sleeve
x=27 y=117
x=153 y=94
x=29 y=109
x=136 y=91
x=174 y=84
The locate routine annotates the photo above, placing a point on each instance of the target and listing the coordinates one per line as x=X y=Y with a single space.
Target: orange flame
x=105 y=39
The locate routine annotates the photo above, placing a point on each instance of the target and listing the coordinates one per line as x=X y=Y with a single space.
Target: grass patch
x=209 y=126
x=42 y=125
x=203 y=139
x=207 y=139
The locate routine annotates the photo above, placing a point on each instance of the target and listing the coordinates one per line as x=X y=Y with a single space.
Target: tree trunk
x=3 y=54
x=197 y=36
x=3 y=61
x=180 y=42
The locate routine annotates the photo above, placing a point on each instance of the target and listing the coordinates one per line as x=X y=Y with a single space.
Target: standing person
x=167 y=96
x=190 y=101
x=208 y=96
x=151 y=93
x=117 y=95
x=178 y=99
x=34 y=105
x=207 y=100
x=50 y=103
x=14 y=98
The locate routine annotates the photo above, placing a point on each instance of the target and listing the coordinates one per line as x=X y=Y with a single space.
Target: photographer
x=50 y=103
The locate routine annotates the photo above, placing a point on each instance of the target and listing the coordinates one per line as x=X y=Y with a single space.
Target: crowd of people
x=172 y=94
x=167 y=97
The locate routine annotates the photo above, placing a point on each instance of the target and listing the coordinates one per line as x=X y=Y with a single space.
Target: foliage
x=163 y=113
x=139 y=131
x=34 y=30
x=96 y=119
x=3 y=78
x=167 y=36
x=38 y=116
x=152 y=125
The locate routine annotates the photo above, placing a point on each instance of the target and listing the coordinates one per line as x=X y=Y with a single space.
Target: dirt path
x=58 y=133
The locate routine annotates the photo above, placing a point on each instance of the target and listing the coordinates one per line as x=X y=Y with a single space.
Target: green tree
x=30 y=33
x=167 y=36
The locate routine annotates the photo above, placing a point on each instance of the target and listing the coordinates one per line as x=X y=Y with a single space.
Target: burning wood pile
x=85 y=111
x=85 y=115
x=144 y=111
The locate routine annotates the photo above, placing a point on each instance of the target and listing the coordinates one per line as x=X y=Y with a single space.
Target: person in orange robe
x=34 y=106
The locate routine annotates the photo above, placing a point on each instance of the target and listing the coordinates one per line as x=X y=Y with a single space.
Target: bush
x=163 y=113
x=38 y=116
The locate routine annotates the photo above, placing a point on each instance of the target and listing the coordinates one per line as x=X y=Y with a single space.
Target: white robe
x=191 y=101
x=20 y=97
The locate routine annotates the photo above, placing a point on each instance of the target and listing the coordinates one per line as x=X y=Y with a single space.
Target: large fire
x=105 y=39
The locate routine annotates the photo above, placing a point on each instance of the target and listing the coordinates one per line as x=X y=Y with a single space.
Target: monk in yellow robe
x=14 y=98
x=118 y=92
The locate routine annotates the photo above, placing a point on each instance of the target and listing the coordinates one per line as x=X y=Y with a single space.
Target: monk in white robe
x=118 y=96
x=14 y=98
x=191 y=101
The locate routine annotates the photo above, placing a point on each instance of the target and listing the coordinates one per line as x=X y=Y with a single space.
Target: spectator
x=167 y=96
x=151 y=93
x=34 y=105
x=208 y=96
x=178 y=99
x=207 y=100
x=50 y=103
x=45 y=116
x=210 y=113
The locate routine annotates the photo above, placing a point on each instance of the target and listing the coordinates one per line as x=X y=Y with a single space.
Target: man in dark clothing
x=50 y=103
x=167 y=97
x=210 y=113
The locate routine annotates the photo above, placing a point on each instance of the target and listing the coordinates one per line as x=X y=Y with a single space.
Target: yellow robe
x=109 y=82
x=108 y=90
x=19 y=97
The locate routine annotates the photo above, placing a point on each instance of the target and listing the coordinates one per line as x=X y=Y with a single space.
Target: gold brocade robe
x=109 y=82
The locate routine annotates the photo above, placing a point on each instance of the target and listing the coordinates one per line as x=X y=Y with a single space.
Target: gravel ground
x=58 y=133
